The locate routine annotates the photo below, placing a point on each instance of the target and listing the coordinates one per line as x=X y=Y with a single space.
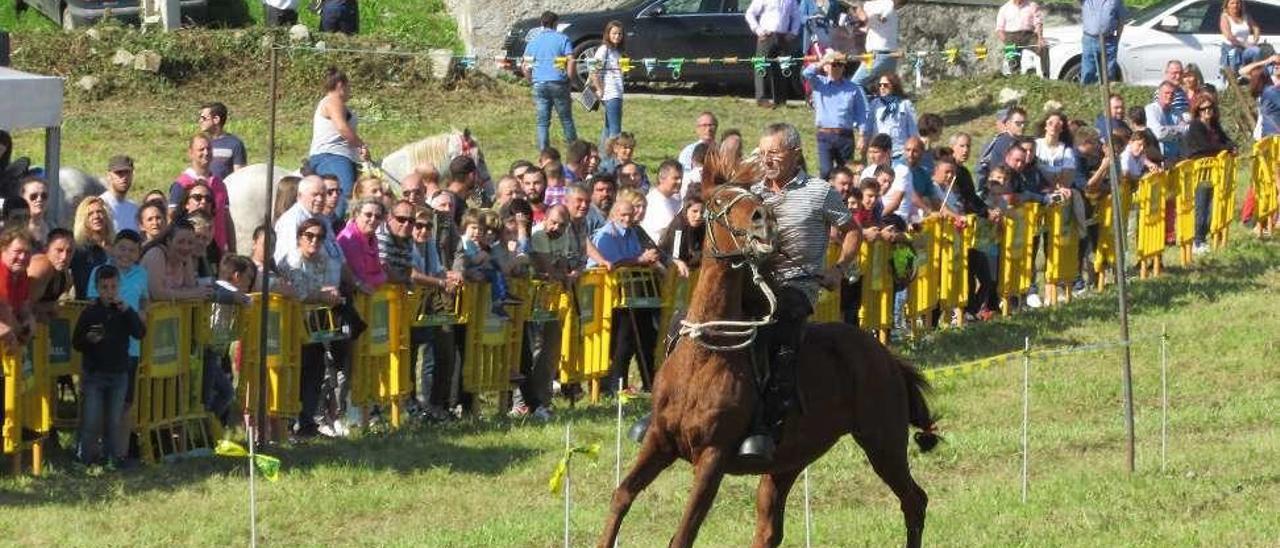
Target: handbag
x=588 y=99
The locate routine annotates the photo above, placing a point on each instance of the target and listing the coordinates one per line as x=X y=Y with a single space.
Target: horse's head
x=738 y=223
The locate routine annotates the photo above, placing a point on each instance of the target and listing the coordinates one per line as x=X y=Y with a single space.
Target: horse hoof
x=638 y=430
x=758 y=447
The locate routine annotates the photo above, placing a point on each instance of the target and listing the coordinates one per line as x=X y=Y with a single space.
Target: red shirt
x=15 y=290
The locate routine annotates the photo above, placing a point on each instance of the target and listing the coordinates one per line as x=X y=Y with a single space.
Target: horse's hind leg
x=771 y=503
x=708 y=472
x=888 y=457
x=650 y=462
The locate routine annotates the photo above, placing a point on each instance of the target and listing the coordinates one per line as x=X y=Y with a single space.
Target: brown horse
x=705 y=393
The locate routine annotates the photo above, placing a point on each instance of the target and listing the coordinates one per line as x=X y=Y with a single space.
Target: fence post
x=1164 y=394
x=808 y=515
x=1026 y=412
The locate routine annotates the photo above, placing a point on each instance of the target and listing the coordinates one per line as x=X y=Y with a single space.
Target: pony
x=706 y=393
x=438 y=151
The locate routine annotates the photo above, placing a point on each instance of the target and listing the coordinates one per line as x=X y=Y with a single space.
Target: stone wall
x=925 y=25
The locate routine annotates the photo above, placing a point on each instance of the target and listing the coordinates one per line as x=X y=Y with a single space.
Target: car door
x=1268 y=18
x=682 y=28
x=1180 y=35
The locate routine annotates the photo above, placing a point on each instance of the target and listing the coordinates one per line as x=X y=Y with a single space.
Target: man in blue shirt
x=839 y=105
x=1101 y=21
x=550 y=83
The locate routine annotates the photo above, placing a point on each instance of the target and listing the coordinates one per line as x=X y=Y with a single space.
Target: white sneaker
x=542 y=413
x=1033 y=300
x=327 y=431
x=1200 y=249
x=340 y=428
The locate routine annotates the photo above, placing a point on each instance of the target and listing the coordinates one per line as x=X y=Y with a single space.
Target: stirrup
x=757 y=447
x=640 y=428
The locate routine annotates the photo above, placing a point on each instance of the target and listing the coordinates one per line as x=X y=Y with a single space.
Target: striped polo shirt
x=805 y=210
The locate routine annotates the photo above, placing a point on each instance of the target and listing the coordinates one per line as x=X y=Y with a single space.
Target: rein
x=744 y=331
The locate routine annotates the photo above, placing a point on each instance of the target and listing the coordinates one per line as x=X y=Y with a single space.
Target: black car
x=662 y=29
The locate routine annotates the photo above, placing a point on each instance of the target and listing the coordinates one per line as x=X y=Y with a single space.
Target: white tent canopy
x=30 y=101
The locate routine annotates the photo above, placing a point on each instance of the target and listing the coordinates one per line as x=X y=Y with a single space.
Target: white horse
x=247 y=192
x=73 y=185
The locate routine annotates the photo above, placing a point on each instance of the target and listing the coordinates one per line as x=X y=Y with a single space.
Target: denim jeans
x=883 y=63
x=543 y=351
x=545 y=96
x=309 y=386
x=338 y=166
x=1089 y=60
x=1204 y=212
x=612 y=121
x=1236 y=57
x=834 y=149
x=218 y=392
x=422 y=345
x=340 y=16
x=102 y=408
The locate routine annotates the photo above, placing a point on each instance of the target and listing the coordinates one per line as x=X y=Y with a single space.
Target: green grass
x=482 y=482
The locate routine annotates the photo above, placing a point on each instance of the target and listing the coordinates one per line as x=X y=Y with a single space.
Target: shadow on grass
x=1233 y=270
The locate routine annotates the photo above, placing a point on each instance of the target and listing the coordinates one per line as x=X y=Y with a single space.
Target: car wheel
x=1072 y=72
x=583 y=51
x=68 y=22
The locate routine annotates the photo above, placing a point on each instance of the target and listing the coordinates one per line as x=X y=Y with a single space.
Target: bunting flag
x=556 y=482
x=268 y=465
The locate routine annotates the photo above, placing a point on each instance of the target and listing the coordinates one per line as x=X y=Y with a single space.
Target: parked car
x=77 y=13
x=1186 y=30
x=661 y=29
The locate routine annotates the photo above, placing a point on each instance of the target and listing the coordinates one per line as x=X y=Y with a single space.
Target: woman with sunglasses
x=36 y=192
x=315 y=277
x=1205 y=139
x=890 y=112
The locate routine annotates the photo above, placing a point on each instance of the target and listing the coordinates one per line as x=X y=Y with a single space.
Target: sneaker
x=341 y=429
x=1200 y=249
x=326 y=430
x=1033 y=300
x=519 y=411
x=542 y=413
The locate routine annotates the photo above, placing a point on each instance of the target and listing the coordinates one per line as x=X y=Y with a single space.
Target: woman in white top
x=1055 y=153
x=608 y=79
x=335 y=145
x=1240 y=34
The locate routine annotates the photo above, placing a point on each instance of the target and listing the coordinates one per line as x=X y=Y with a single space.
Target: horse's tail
x=917 y=408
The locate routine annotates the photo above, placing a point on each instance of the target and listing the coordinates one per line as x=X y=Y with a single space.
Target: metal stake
x=567 y=467
x=1026 y=412
x=1164 y=394
x=1118 y=220
x=269 y=244
x=808 y=515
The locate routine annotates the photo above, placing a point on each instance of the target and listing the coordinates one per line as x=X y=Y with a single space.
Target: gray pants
x=772 y=46
x=538 y=365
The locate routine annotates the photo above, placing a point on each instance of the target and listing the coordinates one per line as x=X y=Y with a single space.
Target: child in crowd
x=475 y=260
x=236 y=276
x=102 y=336
x=134 y=292
x=989 y=234
x=865 y=204
x=1134 y=162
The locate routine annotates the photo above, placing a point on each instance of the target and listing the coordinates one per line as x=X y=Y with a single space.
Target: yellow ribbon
x=556 y=482
x=268 y=465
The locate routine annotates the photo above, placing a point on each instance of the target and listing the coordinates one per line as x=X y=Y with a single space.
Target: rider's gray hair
x=790 y=135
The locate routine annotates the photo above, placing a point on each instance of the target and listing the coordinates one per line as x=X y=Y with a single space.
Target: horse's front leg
x=771 y=504
x=708 y=472
x=650 y=462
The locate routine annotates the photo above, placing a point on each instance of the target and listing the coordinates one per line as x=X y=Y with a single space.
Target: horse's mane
x=719 y=169
x=437 y=149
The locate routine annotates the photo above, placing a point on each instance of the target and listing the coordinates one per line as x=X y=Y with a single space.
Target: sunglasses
x=402 y=219
x=422 y=226
x=311 y=236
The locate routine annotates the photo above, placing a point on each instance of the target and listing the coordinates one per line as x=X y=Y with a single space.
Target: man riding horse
x=805 y=209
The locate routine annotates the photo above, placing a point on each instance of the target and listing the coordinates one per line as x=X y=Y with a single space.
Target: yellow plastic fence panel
x=170 y=416
x=523 y=289
x=433 y=307
x=1190 y=174
x=956 y=239
x=923 y=291
x=485 y=367
x=372 y=357
x=584 y=344
x=1016 y=268
x=1266 y=160
x=828 y=306
x=676 y=291
x=284 y=354
x=877 y=285
x=398 y=381
x=28 y=395
x=1153 y=191
x=1062 y=262
x=1223 y=211
x=11 y=359
x=1105 y=254
x=63 y=360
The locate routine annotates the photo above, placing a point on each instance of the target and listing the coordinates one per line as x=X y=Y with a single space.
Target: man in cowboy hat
x=839 y=105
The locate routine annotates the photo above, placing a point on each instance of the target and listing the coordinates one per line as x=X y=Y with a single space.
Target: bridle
x=751 y=247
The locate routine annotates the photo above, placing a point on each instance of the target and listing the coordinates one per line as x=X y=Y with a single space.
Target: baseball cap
x=120 y=162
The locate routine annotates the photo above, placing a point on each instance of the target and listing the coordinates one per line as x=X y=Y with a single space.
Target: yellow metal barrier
x=676 y=291
x=284 y=354
x=53 y=340
x=1265 y=179
x=584 y=352
x=375 y=377
x=955 y=241
x=923 y=291
x=827 y=308
x=485 y=365
x=1223 y=210
x=170 y=417
x=1189 y=174
x=1062 y=261
x=876 y=310
x=1153 y=192
x=1103 y=212
x=1017 y=271
x=28 y=405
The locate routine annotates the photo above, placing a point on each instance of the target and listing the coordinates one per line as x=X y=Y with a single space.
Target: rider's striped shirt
x=805 y=210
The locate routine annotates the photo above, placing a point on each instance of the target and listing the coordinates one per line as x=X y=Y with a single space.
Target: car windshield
x=1150 y=12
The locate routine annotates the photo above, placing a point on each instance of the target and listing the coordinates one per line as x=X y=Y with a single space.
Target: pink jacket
x=222 y=206
x=361 y=253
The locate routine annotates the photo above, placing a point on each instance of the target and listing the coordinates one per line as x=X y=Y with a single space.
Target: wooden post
x=37 y=457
